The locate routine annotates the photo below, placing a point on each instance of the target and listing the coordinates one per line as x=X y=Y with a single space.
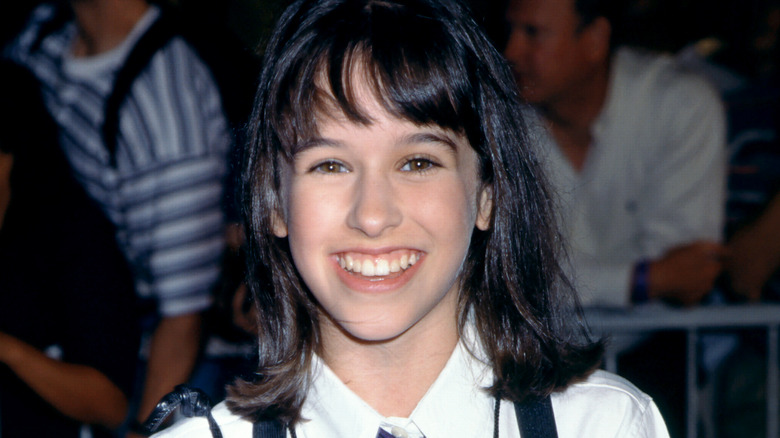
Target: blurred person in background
x=636 y=152
x=635 y=147
x=68 y=328
x=159 y=176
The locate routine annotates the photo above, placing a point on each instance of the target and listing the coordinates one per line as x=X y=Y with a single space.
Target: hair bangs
x=381 y=52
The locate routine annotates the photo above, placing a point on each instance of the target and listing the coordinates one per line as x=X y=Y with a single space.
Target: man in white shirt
x=636 y=151
x=635 y=148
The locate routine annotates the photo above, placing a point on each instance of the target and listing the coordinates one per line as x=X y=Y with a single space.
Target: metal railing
x=649 y=319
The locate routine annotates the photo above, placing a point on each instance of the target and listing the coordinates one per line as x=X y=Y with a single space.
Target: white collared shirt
x=455 y=405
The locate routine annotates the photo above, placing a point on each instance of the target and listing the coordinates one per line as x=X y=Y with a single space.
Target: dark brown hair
x=428 y=63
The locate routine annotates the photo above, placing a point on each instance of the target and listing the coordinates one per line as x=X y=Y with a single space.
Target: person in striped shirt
x=163 y=186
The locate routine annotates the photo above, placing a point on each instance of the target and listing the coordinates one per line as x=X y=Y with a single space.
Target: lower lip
x=377 y=284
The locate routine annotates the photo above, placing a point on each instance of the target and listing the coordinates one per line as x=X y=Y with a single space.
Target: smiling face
x=379 y=219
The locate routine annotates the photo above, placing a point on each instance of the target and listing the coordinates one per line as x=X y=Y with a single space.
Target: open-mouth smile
x=369 y=265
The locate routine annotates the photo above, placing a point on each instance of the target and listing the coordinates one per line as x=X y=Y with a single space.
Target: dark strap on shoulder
x=158 y=34
x=192 y=403
x=536 y=419
x=268 y=429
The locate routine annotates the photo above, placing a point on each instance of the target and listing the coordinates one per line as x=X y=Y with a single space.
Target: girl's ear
x=278 y=224
x=485 y=208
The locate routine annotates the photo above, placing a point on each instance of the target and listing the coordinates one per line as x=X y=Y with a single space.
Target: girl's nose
x=375 y=206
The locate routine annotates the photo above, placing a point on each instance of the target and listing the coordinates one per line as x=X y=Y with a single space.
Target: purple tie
x=384 y=434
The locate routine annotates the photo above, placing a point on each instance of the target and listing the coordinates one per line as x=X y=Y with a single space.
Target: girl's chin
x=366 y=330
x=375 y=333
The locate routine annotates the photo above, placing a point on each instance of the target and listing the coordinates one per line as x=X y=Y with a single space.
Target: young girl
x=415 y=290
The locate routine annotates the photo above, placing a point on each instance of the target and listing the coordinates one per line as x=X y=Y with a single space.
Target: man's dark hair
x=427 y=62
x=589 y=10
x=614 y=11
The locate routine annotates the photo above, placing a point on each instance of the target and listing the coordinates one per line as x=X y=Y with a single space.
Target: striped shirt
x=165 y=193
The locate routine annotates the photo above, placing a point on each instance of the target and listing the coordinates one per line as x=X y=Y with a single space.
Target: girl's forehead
x=360 y=94
x=381 y=127
x=365 y=98
x=375 y=115
x=358 y=87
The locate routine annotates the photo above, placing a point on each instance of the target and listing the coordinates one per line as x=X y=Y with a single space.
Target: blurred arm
x=78 y=391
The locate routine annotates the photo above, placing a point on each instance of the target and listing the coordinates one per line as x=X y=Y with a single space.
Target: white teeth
x=381 y=267
x=368 y=269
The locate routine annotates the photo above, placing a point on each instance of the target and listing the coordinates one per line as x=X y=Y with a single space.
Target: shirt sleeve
x=177 y=233
x=603 y=284
x=606 y=405
x=176 y=140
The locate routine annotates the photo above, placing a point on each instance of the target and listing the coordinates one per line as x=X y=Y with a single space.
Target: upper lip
x=376 y=251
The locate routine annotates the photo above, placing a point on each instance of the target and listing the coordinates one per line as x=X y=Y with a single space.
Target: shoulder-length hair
x=427 y=62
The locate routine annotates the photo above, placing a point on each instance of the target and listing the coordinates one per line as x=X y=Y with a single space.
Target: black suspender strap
x=268 y=429
x=536 y=419
x=190 y=401
x=158 y=34
x=193 y=402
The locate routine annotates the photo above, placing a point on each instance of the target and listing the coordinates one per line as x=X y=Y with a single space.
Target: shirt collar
x=455 y=405
x=86 y=67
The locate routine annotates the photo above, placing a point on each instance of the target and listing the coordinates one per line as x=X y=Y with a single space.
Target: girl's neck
x=391 y=376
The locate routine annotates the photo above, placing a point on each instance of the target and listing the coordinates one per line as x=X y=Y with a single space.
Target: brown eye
x=330 y=167
x=418 y=165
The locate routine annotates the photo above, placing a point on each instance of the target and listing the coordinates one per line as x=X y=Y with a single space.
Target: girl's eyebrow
x=415 y=138
x=430 y=137
x=313 y=143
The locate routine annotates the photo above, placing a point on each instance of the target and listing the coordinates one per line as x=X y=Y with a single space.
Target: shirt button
x=398 y=432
